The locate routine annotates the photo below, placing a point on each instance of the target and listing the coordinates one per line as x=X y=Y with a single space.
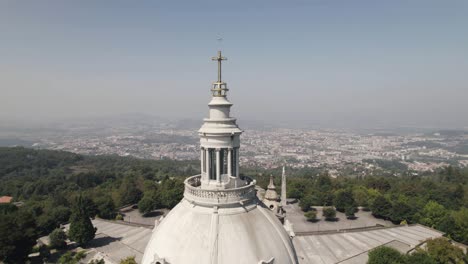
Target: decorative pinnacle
x=219 y=59
x=219 y=87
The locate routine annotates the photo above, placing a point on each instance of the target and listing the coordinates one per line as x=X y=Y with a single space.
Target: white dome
x=220 y=219
x=229 y=233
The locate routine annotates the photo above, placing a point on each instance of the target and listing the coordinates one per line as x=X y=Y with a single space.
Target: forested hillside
x=49 y=182
x=35 y=174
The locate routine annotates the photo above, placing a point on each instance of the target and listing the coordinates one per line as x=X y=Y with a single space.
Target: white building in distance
x=220 y=219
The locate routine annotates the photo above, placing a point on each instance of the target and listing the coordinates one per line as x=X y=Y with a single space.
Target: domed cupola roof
x=220 y=219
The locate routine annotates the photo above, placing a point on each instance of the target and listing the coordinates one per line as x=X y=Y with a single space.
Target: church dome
x=219 y=226
x=220 y=219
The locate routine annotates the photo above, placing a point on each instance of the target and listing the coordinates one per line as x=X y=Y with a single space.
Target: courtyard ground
x=132 y=215
x=300 y=224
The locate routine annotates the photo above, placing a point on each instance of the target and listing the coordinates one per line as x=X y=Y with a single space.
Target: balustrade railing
x=194 y=193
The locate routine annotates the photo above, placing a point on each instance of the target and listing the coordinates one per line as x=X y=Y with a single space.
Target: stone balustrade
x=195 y=194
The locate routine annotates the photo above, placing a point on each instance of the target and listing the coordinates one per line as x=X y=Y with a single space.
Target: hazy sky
x=321 y=62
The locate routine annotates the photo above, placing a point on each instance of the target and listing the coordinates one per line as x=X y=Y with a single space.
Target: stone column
x=237 y=162
x=207 y=160
x=229 y=161
x=218 y=166
x=202 y=161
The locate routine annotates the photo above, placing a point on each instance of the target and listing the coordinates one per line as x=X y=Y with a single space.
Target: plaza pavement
x=352 y=247
x=300 y=224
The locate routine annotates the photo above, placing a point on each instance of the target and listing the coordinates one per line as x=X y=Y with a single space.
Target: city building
x=220 y=219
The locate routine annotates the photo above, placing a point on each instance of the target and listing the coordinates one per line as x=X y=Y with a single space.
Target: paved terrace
x=352 y=247
x=115 y=241
x=300 y=224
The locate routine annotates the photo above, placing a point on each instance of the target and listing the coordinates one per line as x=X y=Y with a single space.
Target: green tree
x=344 y=199
x=448 y=225
x=324 y=182
x=443 y=251
x=380 y=183
x=171 y=192
x=329 y=213
x=459 y=231
x=60 y=213
x=324 y=198
x=385 y=255
x=306 y=203
x=432 y=214
x=105 y=207
x=81 y=229
x=146 y=204
x=420 y=257
x=7 y=208
x=381 y=207
x=90 y=206
x=361 y=196
x=128 y=192
x=17 y=236
x=57 y=239
x=401 y=211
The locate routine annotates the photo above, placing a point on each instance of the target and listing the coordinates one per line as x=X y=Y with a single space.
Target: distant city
x=339 y=151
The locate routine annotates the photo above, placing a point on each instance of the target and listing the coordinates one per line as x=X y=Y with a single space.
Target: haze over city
x=319 y=63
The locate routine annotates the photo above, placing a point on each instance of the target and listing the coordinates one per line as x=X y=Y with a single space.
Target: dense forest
x=49 y=183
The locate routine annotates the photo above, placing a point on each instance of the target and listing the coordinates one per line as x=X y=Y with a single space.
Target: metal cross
x=219 y=59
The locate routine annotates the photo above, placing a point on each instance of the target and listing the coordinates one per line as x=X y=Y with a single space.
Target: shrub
x=80 y=255
x=128 y=260
x=66 y=258
x=329 y=213
x=311 y=215
x=71 y=257
x=57 y=239
x=350 y=211
x=95 y=261
x=44 y=252
x=306 y=203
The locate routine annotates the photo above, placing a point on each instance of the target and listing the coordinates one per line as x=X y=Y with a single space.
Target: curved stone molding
x=195 y=194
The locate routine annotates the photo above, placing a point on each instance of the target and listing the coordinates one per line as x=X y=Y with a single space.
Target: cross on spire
x=219 y=58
